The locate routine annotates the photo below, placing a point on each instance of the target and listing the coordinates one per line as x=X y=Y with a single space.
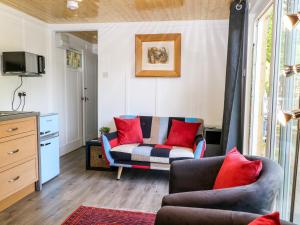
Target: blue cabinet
x=49 y=159
x=48 y=124
x=49 y=147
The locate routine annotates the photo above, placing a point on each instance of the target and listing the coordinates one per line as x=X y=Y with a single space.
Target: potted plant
x=103 y=130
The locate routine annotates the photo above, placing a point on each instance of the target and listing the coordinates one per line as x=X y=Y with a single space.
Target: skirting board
x=16 y=197
x=70 y=147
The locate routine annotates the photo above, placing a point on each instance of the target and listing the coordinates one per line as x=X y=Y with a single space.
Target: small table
x=95 y=157
x=213 y=141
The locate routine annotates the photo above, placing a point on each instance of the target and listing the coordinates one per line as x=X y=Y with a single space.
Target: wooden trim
x=17 y=196
x=139 y=39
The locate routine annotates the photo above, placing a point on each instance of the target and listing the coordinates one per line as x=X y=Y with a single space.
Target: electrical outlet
x=24 y=94
x=20 y=94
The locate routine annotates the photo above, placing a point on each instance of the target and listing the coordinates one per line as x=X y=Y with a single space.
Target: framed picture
x=74 y=59
x=158 y=55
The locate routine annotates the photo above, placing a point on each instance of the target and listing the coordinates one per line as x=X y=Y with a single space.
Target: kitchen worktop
x=12 y=115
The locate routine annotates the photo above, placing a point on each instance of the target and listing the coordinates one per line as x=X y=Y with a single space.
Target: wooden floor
x=137 y=190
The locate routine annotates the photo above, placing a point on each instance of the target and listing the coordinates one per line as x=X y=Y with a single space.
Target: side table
x=95 y=157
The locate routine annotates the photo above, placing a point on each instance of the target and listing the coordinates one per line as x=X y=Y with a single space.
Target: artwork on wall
x=158 y=55
x=74 y=59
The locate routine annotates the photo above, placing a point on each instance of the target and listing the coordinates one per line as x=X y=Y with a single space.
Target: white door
x=74 y=108
x=90 y=96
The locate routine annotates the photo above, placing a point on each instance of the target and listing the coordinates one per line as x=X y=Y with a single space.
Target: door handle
x=14 y=179
x=12 y=129
x=13 y=152
x=49 y=143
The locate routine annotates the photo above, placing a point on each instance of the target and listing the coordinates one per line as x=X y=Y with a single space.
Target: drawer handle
x=46 y=144
x=12 y=129
x=13 y=152
x=47 y=132
x=14 y=179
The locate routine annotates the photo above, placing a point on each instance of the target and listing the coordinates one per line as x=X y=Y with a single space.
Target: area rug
x=99 y=216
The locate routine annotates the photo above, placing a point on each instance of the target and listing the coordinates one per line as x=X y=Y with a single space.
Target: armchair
x=191 y=185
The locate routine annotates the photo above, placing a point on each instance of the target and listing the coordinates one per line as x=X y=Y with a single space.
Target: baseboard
x=70 y=147
x=4 y=204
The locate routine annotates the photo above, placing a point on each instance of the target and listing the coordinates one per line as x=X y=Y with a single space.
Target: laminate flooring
x=137 y=190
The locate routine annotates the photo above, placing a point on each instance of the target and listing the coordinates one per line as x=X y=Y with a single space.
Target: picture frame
x=73 y=59
x=158 y=55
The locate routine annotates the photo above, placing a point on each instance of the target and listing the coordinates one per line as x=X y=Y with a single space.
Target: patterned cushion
x=150 y=153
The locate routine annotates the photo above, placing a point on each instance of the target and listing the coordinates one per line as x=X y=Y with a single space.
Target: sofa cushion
x=236 y=171
x=182 y=134
x=270 y=219
x=129 y=130
x=151 y=153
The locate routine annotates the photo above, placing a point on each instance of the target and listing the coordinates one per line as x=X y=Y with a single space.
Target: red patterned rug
x=97 y=216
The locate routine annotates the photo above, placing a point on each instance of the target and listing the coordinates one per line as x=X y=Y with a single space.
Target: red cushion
x=182 y=134
x=270 y=219
x=237 y=171
x=129 y=131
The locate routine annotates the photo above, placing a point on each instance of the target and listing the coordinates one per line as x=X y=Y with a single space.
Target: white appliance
x=49 y=147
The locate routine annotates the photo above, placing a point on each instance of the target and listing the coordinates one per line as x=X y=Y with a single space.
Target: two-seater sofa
x=152 y=154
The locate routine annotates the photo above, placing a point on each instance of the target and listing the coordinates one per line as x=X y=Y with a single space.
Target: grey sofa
x=191 y=183
x=195 y=216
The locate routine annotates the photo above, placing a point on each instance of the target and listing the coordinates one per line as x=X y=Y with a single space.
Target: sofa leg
x=120 y=169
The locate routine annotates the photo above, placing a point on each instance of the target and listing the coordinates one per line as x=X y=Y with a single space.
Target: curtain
x=233 y=116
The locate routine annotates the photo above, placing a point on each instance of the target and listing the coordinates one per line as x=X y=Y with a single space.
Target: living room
x=127 y=112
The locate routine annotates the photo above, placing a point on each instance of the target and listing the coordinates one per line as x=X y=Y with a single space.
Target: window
x=272 y=91
x=288 y=99
x=261 y=84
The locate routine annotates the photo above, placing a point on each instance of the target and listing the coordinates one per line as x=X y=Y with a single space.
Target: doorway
x=79 y=50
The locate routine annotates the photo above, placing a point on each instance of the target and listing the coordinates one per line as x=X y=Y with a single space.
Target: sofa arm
x=196 y=216
x=194 y=175
x=244 y=199
x=109 y=141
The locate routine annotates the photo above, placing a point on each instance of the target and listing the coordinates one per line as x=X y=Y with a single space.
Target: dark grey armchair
x=191 y=183
x=195 y=216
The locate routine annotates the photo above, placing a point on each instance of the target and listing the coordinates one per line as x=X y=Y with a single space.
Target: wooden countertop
x=10 y=115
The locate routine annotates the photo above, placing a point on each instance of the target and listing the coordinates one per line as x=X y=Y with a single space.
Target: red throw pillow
x=270 y=219
x=237 y=171
x=182 y=134
x=129 y=131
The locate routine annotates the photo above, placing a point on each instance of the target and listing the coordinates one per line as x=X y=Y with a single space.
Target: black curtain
x=233 y=116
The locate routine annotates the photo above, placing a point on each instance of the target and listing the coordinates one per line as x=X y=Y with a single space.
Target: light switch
x=105 y=74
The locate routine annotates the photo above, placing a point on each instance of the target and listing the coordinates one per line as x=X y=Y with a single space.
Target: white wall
x=199 y=92
x=20 y=32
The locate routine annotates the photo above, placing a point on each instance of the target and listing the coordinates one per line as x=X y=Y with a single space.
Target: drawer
x=15 y=179
x=48 y=125
x=49 y=159
x=13 y=127
x=18 y=149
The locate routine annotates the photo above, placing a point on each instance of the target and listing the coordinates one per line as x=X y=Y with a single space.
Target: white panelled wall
x=199 y=92
x=20 y=32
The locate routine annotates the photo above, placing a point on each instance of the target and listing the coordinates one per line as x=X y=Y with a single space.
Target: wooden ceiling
x=100 y=11
x=89 y=36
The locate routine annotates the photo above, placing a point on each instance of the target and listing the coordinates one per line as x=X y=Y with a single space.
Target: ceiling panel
x=91 y=11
